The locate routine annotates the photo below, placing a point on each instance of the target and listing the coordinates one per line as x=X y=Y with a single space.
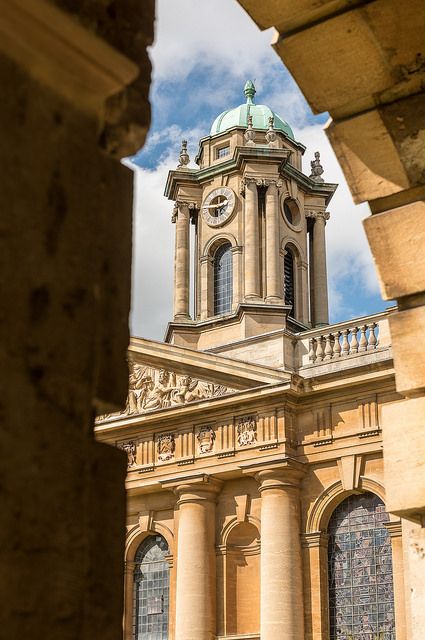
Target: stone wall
x=75 y=78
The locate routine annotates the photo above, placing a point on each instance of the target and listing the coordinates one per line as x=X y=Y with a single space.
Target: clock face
x=218 y=206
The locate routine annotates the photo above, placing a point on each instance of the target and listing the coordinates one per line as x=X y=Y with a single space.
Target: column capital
x=260 y=181
x=277 y=474
x=318 y=215
x=181 y=204
x=194 y=488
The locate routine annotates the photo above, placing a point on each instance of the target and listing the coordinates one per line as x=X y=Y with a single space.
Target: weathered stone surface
x=404 y=446
x=66 y=257
x=397 y=240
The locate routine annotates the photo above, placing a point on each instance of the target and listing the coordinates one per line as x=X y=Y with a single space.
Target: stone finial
x=184 y=156
x=271 y=135
x=249 y=91
x=249 y=134
x=316 y=168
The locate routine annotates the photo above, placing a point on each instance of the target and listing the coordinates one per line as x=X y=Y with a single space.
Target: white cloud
x=218 y=33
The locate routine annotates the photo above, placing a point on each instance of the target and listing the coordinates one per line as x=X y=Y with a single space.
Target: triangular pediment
x=163 y=376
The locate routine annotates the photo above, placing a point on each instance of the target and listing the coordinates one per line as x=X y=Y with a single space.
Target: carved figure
x=159 y=396
x=184 y=156
x=140 y=384
x=150 y=390
x=130 y=449
x=206 y=437
x=165 y=446
x=316 y=168
x=246 y=431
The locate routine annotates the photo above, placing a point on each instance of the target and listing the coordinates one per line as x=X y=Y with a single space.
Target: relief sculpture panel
x=152 y=389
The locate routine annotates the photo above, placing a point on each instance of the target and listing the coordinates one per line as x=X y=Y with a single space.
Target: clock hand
x=215 y=206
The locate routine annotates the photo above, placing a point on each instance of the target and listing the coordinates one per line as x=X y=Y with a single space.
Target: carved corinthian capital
x=324 y=215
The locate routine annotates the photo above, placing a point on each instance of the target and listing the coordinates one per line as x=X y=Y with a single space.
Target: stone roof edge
x=206 y=366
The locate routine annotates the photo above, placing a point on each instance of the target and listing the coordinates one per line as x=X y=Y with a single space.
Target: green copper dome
x=260 y=113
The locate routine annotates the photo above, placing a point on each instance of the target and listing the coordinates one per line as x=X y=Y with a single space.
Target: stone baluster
x=319 y=349
x=363 y=338
x=311 y=352
x=345 y=350
x=354 y=343
x=372 y=342
x=328 y=347
x=336 y=345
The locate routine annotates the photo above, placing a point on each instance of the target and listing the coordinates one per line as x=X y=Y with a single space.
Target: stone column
x=196 y=581
x=320 y=281
x=274 y=279
x=252 y=247
x=282 y=611
x=181 y=263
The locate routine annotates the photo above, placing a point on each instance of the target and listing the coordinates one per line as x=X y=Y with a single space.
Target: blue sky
x=202 y=56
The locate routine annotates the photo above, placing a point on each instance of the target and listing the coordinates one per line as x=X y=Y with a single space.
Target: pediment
x=164 y=376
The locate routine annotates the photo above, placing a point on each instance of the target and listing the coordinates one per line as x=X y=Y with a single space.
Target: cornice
x=242 y=155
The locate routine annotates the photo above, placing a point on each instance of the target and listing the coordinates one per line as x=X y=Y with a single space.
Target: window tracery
x=361 y=599
x=151 y=590
x=223 y=279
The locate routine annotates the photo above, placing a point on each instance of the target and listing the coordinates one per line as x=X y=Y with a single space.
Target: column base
x=253 y=297
x=182 y=317
x=273 y=300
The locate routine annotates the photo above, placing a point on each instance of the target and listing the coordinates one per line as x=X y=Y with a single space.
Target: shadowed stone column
x=196 y=583
x=273 y=277
x=320 y=282
x=252 y=250
x=181 y=263
x=282 y=614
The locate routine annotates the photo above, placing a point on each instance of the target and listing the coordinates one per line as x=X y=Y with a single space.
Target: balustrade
x=342 y=343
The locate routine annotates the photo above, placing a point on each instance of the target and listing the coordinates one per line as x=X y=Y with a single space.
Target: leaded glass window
x=361 y=599
x=223 y=279
x=151 y=590
x=289 y=284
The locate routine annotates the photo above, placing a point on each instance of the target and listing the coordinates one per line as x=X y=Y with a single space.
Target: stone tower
x=259 y=252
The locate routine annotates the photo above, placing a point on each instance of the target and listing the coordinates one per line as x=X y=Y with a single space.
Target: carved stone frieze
x=130 y=449
x=152 y=389
x=165 y=445
x=206 y=437
x=246 y=431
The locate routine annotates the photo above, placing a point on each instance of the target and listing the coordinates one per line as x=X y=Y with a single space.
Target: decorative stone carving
x=246 y=431
x=206 y=437
x=184 y=156
x=130 y=449
x=316 y=168
x=249 y=134
x=151 y=389
x=325 y=215
x=271 y=135
x=166 y=446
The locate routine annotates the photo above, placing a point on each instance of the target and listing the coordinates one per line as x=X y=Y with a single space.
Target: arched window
x=223 y=279
x=361 y=600
x=151 y=590
x=289 y=280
